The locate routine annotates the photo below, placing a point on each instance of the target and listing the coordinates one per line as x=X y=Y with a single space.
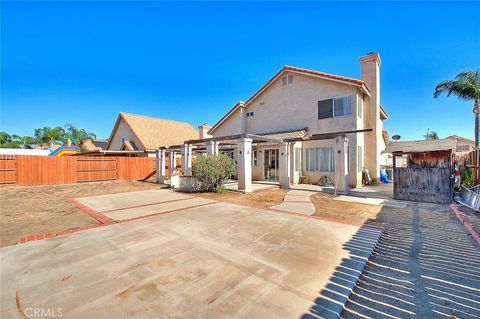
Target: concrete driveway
x=217 y=260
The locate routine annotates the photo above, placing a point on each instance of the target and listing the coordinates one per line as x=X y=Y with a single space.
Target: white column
x=160 y=166
x=284 y=165
x=187 y=160
x=341 y=164
x=172 y=165
x=244 y=166
x=212 y=147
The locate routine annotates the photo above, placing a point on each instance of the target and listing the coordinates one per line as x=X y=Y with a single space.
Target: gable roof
x=321 y=75
x=459 y=138
x=153 y=132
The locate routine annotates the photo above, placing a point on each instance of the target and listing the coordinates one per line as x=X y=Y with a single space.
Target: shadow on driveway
x=425 y=265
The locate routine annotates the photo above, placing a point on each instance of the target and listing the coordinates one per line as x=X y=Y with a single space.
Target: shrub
x=467 y=177
x=212 y=171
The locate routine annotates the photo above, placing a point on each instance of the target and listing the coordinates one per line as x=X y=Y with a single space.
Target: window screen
x=325 y=109
x=343 y=106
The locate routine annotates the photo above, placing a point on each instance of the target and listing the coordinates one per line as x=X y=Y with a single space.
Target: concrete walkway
x=297 y=201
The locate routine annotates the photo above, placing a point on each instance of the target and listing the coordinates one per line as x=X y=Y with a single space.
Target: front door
x=270 y=164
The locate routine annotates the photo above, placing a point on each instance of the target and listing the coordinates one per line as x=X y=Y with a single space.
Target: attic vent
x=287 y=79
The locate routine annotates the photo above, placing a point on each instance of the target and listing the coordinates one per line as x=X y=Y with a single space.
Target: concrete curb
x=461 y=217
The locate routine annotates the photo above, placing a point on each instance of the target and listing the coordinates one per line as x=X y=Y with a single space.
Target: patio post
x=160 y=166
x=284 y=165
x=212 y=147
x=341 y=164
x=186 y=160
x=172 y=166
x=244 y=166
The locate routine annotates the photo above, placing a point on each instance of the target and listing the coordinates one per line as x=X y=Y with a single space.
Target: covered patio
x=240 y=147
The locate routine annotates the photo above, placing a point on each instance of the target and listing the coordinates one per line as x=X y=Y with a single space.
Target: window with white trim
x=321 y=159
x=335 y=107
x=254 y=158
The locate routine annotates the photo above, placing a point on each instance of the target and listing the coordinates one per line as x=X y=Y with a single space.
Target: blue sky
x=83 y=62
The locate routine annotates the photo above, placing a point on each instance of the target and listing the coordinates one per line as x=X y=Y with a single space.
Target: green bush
x=467 y=177
x=212 y=171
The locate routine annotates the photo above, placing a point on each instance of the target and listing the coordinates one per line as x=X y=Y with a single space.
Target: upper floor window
x=250 y=114
x=338 y=106
x=288 y=79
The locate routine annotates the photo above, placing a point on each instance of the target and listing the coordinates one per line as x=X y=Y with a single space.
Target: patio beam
x=216 y=139
x=327 y=136
x=262 y=138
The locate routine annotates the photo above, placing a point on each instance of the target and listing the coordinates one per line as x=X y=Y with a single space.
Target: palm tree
x=78 y=135
x=431 y=135
x=50 y=135
x=466 y=86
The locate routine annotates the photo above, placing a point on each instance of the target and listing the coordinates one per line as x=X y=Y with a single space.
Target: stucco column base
x=284 y=165
x=160 y=166
x=187 y=160
x=244 y=166
x=341 y=164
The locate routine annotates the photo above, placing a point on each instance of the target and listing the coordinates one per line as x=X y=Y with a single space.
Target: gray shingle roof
x=420 y=146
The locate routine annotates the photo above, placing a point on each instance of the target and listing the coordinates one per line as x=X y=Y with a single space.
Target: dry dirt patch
x=341 y=211
x=44 y=209
x=261 y=198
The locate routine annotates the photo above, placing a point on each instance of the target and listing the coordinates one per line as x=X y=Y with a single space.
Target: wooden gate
x=423 y=184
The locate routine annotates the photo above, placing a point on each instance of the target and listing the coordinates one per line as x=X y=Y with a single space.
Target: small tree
x=467 y=178
x=212 y=171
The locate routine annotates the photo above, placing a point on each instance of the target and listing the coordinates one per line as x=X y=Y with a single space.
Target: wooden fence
x=471 y=160
x=431 y=185
x=27 y=170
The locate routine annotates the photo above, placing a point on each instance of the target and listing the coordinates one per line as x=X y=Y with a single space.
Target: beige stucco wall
x=295 y=106
x=123 y=131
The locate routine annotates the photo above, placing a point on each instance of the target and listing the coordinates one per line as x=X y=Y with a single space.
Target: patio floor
x=216 y=260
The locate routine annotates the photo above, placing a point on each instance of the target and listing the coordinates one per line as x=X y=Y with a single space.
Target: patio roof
x=420 y=146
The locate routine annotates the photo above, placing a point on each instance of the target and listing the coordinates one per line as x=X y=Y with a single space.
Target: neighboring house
x=463 y=145
x=95 y=145
x=298 y=102
x=133 y=132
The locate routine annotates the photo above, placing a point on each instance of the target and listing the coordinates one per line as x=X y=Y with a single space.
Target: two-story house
x=298 y=102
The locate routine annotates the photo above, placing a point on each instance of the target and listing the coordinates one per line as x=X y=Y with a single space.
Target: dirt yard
x=346 y=212
x=42 y=209
x=261 y=198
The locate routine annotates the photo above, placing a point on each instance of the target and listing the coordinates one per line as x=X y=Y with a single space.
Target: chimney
x=202 y=131
x=370 y=74
x=370 y=64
